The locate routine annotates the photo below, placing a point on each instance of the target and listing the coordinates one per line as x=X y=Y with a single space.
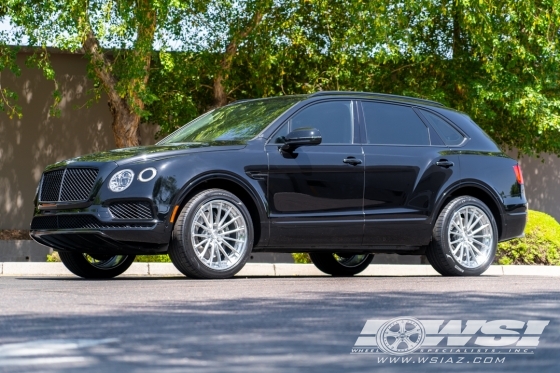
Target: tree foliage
x=118 y=37
x=497 y=60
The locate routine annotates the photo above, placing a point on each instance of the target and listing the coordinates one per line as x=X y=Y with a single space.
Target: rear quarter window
x=448 y=134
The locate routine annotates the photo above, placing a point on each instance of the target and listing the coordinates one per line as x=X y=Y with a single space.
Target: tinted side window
x=332 y=119
x=394 y=125
x=448 y=134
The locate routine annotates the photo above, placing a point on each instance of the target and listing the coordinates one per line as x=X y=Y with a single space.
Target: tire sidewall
x=80 y=266
x=327 y=263
x=186 y=233
x=444 y=239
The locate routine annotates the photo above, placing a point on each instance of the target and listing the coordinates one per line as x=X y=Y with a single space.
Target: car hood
x=152 y=152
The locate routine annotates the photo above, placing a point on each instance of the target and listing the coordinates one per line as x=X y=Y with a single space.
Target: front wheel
x=213 y=236
x=96 y=265
x=464 y=239
x=341 y=264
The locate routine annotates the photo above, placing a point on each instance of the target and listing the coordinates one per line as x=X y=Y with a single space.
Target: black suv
x=340 y=175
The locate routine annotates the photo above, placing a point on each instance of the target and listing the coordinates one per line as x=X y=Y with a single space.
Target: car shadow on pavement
x=253 y=325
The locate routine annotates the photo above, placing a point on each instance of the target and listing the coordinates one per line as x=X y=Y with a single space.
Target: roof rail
x=377 y=95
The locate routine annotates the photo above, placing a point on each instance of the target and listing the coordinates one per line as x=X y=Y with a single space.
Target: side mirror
x=300 y=137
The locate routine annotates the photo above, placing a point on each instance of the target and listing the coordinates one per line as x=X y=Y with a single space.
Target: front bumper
x=135 y=241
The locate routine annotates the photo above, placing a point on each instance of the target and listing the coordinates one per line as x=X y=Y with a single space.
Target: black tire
x=329 y=264
x=182 y=252
x=78 y=264
x=439 y=252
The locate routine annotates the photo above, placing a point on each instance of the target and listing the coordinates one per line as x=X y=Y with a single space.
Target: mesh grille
x=50 y=187
x=79 y=222
x=131 y=210
x=44 y=222
x=76 y=184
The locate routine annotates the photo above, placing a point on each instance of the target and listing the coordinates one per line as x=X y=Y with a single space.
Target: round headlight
x=121 y=180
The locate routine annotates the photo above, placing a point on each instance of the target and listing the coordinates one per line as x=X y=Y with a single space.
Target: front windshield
x=235 y=122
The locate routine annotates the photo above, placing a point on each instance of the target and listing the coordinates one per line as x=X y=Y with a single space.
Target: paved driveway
x=254 y=325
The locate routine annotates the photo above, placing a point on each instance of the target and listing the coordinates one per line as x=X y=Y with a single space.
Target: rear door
x=315 y=194
x=407 y=168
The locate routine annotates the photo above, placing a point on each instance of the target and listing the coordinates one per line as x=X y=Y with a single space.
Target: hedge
x=541 y=244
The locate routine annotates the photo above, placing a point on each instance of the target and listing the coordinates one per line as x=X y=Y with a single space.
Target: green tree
x=497 y=60
x=8 y=98
x=117 y=36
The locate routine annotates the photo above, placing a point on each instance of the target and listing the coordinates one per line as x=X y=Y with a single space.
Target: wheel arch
x=234 y=185
x=479 y=191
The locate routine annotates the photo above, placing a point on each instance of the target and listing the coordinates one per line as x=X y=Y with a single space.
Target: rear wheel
x=96 y=265
x=213 y=236
x=465 y=238
x=341 y=264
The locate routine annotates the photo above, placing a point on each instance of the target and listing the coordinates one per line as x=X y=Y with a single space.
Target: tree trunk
x=126 y=108
x=125 y=125
x=457 y=42
x=220 y=95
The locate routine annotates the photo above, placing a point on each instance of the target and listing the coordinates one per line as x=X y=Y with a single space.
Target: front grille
x=131 y=210
x=78 y=221
x=50 y=186
x=70 y=184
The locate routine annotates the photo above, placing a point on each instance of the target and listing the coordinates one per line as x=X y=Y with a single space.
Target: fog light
x=147 y=174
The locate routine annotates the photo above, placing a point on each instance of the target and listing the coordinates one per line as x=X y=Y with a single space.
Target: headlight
x=121 y=180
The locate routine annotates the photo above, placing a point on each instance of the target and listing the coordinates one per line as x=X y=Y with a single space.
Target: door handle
x=444 y=163
x=353 y=161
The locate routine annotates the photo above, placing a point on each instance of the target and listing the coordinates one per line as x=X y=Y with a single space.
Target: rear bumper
x=514 y=225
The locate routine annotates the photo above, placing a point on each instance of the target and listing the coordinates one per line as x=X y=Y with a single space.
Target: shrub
x=153 y=258
x=541 y=244
x=301 y=258
x=53 y=258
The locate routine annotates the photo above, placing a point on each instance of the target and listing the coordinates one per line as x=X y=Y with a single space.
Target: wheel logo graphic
x=401 y=336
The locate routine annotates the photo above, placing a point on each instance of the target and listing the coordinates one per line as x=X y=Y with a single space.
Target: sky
x=4 y=24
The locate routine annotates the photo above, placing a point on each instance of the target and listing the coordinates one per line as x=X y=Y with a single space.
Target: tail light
x=518 y=174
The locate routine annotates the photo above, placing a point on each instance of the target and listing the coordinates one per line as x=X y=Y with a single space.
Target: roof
x=380 y=96
x=352 y=94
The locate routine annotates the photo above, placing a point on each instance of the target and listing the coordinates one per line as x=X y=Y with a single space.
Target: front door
x=315 y=194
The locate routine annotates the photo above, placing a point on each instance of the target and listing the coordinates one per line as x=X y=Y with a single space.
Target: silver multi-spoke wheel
x=105 y=262
x=470 y=237
x=219 y=234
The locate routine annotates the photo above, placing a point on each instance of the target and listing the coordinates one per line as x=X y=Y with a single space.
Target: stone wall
x=36 y=140
x=542 y=182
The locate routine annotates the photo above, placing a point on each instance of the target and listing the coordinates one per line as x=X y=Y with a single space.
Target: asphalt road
x=253 y=324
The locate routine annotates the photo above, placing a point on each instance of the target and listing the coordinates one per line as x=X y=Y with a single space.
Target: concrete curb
x=269 y=270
